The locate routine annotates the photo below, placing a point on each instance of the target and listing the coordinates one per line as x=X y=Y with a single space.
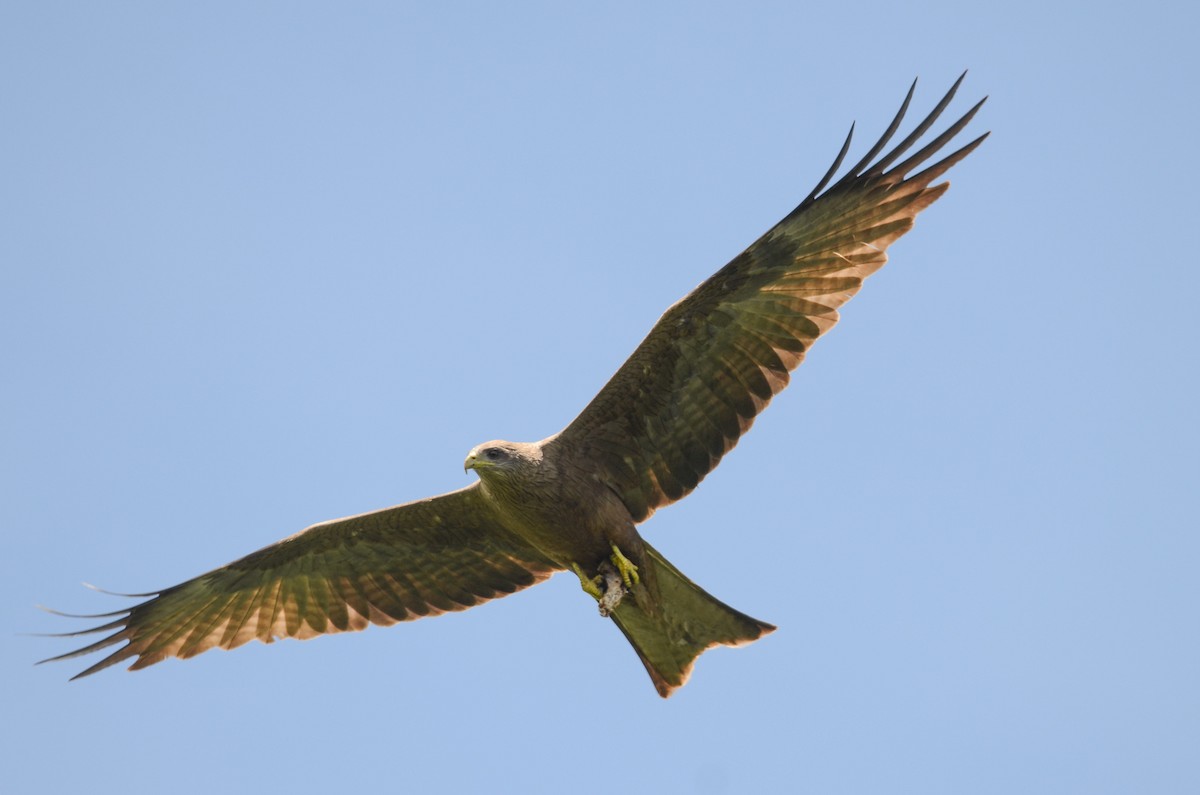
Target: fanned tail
x=679 y=623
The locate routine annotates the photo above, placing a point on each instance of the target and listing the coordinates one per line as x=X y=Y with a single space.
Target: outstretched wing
x=715 y=359
x=423 y=558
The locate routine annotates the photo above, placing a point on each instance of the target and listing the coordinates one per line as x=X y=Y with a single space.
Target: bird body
x=573 y=501
x=569 y=514
x=563 y=511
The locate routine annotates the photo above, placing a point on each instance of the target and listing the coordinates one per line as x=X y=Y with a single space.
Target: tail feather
x=669 y=629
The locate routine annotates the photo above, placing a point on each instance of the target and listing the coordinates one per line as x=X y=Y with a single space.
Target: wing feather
x=424 y=558
x=715 y=359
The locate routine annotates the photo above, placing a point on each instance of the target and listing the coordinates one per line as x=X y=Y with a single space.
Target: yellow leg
x=629 y=572
x=590 y=585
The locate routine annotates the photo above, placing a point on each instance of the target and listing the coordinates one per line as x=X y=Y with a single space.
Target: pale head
x=498 y=457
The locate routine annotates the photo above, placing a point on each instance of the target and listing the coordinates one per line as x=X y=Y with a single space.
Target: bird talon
x=606 y=587
x=626 y=568
x=591 y=585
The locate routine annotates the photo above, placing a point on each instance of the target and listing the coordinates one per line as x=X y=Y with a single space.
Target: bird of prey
x=572 y=502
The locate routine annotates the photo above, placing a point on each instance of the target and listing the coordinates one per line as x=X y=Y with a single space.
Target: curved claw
x=625 y=566
x=591 y=585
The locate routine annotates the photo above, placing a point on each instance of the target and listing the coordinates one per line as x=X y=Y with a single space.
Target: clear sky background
x=264 y=266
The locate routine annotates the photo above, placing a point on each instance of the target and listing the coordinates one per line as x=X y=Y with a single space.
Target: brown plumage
x=572 y=501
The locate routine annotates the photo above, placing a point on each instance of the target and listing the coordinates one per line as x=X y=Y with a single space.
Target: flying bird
x=573 y=501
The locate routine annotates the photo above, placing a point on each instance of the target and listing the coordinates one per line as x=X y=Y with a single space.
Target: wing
x=715 y=359
x=398 y=564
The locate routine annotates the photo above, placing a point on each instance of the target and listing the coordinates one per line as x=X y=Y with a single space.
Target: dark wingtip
x=54 y=612
x=98 y=589
x=865 y=168
x=897 y=120
x=100 y=666
x=837 y=163
x=934 y=146
x=120 y=622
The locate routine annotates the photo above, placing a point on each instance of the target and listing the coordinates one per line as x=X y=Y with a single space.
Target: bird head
x=494 y=455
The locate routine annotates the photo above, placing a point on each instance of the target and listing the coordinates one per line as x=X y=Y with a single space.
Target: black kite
x=573 y=501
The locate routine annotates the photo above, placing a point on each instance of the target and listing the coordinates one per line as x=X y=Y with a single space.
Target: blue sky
x=267 y=266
